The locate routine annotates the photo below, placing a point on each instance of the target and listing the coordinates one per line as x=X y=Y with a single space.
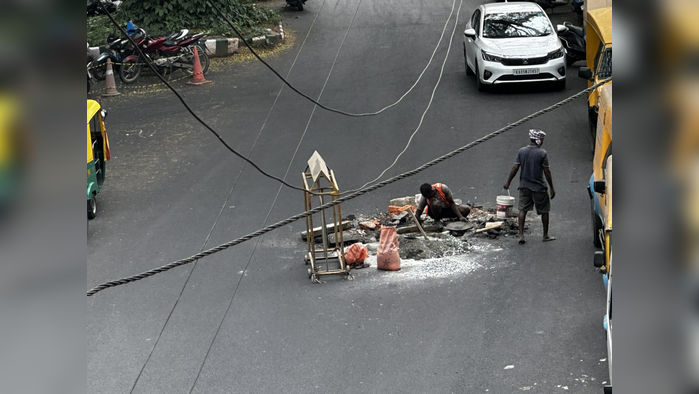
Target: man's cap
x=537 y=135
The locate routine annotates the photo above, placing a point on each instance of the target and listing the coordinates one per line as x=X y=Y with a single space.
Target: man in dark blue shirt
x=533 y=190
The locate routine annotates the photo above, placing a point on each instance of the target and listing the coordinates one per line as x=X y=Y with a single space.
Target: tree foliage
x=171 y=15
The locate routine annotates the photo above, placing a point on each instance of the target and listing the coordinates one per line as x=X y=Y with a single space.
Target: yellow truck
x=600 y=191
x=598 y=45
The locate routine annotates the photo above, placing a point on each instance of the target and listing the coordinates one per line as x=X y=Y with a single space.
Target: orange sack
x=387 y=257
x=356 y=254
x=395 y=210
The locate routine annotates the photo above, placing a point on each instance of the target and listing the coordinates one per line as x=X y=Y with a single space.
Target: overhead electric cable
x=150 y=64
x=287 y=83
x=358 y=193
x=422 y=118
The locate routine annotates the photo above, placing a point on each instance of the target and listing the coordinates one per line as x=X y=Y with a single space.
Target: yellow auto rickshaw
x=97 y=154
x=12 y=150
x=598 y=44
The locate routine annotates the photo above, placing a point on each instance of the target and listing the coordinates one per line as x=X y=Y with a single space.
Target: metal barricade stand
x=317 y=178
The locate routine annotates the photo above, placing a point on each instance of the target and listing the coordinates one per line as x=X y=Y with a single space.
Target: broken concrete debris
x=428 y=227
x=401 y=217
x=410 y=200
x=370 y=225
x=441 y=241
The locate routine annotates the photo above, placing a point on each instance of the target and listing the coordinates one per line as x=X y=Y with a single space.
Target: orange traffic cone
x=111 y=85
x=198 y=76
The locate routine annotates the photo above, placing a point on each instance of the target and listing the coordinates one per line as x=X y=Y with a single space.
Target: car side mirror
x=585 y=72
x=600 y=186
x=561 y=28
x=470 y=33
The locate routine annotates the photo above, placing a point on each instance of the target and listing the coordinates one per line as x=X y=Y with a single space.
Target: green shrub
x=162 y=16
x=172 y=15
x=99 y=27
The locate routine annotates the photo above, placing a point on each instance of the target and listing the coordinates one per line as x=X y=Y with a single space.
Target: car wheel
x=92 y=207
x=468 y=69
x=479 y=84
x=596 y=225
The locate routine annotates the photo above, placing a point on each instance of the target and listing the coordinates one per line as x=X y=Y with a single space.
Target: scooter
x=573 y=39
x=296 y=3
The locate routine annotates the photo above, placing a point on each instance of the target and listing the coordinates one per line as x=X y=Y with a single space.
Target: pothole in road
x=442 y=255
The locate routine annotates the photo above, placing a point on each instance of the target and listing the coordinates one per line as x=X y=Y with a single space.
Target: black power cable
x=358 y=193
x=149 y=63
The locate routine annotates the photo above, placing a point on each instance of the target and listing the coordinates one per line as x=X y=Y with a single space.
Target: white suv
x=511 y=43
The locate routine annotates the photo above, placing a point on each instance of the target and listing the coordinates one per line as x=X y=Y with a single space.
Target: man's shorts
x=528 y=199
x=443 y=213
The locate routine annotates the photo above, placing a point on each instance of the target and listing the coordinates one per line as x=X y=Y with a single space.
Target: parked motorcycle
x=116 y=49
x=578 y=6
x=166 y=53
x=296 y=3
x=573 y=39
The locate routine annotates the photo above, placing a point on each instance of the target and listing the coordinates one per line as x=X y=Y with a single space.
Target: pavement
x=248 y=320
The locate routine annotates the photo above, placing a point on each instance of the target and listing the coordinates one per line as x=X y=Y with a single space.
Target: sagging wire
x=337 y=111
x=422 y=118
x=203 y=123
x=358 y=193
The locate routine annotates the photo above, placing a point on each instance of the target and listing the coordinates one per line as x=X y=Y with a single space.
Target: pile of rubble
x=440 y=241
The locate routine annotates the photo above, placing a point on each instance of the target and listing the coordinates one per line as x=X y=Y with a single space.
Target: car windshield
x=516 y=24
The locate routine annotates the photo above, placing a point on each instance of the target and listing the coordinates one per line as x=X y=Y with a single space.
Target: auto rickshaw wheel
x=92 y=207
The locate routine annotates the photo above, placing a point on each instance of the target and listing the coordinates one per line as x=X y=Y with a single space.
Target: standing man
x=440 y=203
x=532 y=188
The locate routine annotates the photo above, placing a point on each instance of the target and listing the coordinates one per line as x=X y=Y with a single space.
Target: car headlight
x=490 y=57
x=556 y=54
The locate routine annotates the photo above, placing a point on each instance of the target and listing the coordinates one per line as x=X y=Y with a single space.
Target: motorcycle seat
x=575 y=29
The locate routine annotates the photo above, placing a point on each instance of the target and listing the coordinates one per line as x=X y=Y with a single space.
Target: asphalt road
x=248 y=320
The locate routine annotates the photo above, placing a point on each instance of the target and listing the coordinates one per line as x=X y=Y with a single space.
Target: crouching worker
x=440 y=203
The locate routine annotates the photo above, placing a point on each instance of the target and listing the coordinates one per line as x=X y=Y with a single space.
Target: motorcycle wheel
x=100 y=72
x=203 y=61
x=129 y=73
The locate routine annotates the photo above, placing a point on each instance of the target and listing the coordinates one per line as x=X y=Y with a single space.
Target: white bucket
x=505 y=204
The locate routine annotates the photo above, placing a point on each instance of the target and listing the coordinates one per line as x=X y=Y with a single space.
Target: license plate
x=526 y=71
